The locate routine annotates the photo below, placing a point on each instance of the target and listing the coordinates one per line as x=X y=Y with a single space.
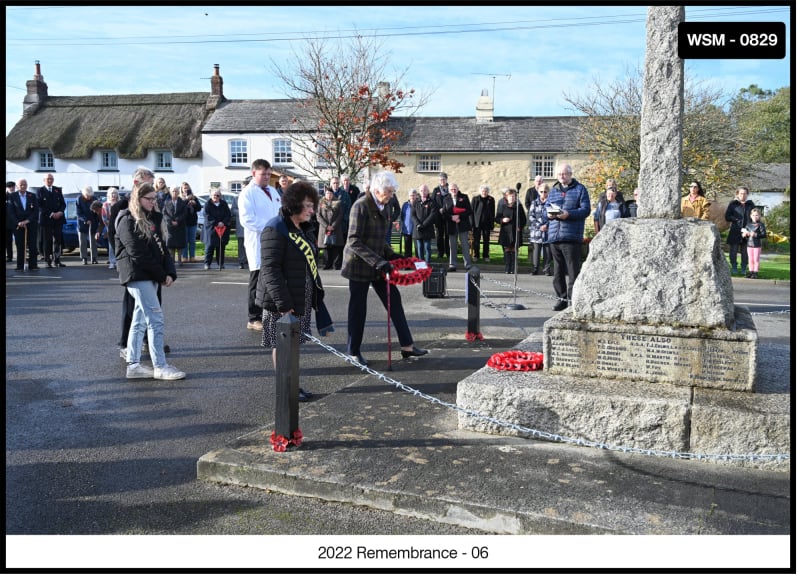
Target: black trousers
x=539 y=251
x=19 y=239
x=52 y=239
x=567 y=263
x=240 y=252
x=9 y=244
x=740 y=247
x=215 y=253
x=407 y=242
x=479 y=235
x=357 y=313
x=333 y=254
x=254 y=312
x=442 y=241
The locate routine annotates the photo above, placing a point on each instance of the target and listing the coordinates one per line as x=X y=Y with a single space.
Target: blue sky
x=535 y=53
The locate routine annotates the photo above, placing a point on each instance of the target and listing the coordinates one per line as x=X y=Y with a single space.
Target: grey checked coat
x=366 y=249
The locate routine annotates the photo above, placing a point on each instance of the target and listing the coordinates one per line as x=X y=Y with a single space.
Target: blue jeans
x=191 y=242
x=424 y=249
x=147 y=315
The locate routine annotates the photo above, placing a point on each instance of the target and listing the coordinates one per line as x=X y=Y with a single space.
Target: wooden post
x=473 y=300
x=287 y=375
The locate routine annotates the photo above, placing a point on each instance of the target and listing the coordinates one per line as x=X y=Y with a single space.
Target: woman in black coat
x=218 y=216
x=511 y=217
x=289 y=281
x=738 y=215
x=425 y=216
x=175 y=214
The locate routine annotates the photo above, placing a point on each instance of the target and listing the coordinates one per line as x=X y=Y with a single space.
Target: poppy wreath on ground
x=280 y=442
x=516 y=361
x=474 y=336
x=418 y=275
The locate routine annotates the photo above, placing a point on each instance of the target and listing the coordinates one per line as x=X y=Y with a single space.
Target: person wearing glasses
x=695 y=203
x=144 y=263
x=367 y=259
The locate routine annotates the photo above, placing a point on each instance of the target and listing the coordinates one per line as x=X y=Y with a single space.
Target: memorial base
x=685 y=356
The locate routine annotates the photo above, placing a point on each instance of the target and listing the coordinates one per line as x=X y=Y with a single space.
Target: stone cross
x=662 y=117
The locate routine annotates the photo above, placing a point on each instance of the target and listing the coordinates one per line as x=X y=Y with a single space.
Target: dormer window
x=46 y=160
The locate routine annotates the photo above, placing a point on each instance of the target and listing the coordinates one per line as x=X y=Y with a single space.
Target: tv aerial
x=494 y=78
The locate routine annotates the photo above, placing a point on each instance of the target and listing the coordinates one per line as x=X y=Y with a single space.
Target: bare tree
x=344 y=101
x=712 y=150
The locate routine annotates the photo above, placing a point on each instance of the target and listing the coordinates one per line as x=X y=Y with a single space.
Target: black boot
x=509 y=259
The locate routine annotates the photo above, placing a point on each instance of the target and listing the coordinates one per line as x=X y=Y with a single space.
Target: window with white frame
x=46 y=160
x=543 y=165
x=108 y=160
x=235 y=187
x=163 y=160
x=429 y=163
x=282 y=151
x=238 y=152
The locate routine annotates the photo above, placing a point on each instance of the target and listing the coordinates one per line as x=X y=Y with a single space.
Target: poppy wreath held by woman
x=419 y=274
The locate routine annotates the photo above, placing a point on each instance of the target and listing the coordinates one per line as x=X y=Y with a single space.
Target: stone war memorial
x=652 y=353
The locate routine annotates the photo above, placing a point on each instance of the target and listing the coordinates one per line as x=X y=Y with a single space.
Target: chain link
x=545 y=435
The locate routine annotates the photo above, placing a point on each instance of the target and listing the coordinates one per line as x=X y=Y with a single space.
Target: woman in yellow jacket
x=695 y=204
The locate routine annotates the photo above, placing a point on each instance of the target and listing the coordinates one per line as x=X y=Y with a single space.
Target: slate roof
x=255 y=116
x=769 y=177
x=420 y=134
x=503 y=135
x=74 y=127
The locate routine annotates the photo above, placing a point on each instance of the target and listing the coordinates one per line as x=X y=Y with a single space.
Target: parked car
x=70 y=240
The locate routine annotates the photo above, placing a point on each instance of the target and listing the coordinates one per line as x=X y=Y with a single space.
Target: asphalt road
x=89 y=452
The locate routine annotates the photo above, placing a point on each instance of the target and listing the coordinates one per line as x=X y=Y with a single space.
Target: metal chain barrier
x=545 y=435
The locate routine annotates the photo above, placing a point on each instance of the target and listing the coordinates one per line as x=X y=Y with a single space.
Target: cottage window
x=163 y=161
x=235 y=187
x=238 y=152
x=543 y=165
x=282 y=151
x=429 y=163
x=108 y=160
x=46 y=160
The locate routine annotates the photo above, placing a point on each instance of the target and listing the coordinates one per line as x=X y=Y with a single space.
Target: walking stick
x=25 y=251
x=388 y=320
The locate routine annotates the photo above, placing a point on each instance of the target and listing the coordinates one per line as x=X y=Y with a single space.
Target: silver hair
x=482 y=187
x=383 y=180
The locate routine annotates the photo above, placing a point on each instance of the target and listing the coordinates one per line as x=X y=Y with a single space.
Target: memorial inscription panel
x=689 y=361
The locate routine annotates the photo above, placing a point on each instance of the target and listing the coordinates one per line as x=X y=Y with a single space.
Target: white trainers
x=123 y=353
x=139 y=371
x=168 y=373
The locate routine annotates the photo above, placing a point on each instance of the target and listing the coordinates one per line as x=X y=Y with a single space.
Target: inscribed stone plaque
x=712 y=358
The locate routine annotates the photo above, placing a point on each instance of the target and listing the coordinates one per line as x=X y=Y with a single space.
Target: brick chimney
x=216 y=95
x=37 y=93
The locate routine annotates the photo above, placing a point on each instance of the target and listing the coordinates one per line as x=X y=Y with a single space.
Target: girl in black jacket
x=144 y=262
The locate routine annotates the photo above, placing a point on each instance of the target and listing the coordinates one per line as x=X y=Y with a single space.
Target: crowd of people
x=284 y=230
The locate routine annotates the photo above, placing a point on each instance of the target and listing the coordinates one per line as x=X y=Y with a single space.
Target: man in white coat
x=258 y=203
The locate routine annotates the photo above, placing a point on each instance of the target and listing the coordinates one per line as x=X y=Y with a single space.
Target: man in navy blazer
x=25 y=210
x=51 y=220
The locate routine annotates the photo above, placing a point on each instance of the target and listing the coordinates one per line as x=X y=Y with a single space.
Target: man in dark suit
x=26 y=214
x=366 y=262
x=51 y=220
x=440 y=192
x=11 y=223
x=351 y=189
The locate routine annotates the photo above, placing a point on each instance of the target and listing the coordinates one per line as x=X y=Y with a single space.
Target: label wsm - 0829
x=732 y=40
